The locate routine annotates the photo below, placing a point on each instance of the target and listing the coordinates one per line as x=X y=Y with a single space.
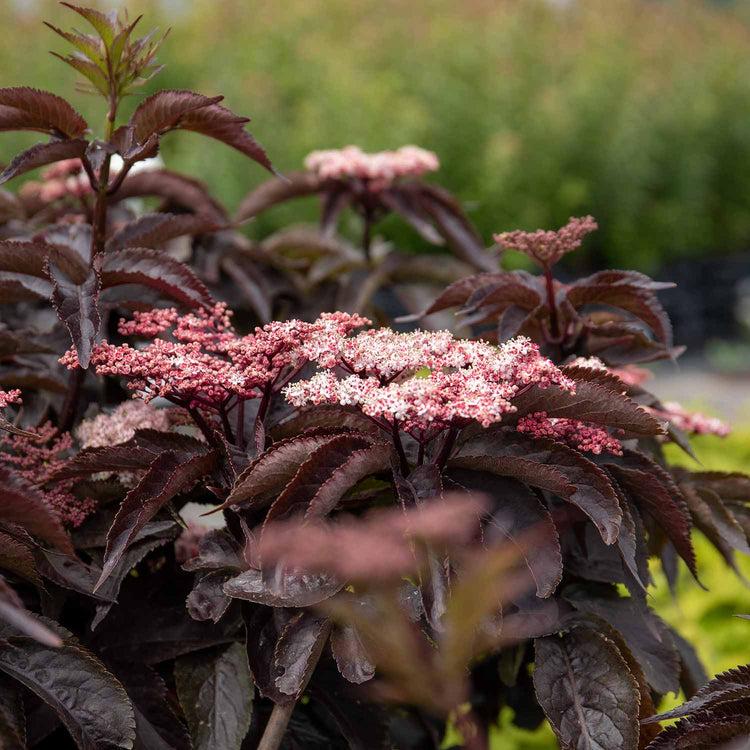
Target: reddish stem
x=403 y=463
x=445 y=449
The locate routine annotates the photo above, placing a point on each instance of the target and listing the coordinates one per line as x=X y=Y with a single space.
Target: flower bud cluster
x=547 y=247
x=581 y=435
x=209 y=363
x=379 y=170
x=695 y=422
x=36 y=460
x=10 y=397
x=61 y=179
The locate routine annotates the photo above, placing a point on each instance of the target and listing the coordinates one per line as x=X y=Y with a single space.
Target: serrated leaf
x=12 y=715
x=360 y=464
x=285 y=588
x=516 y=513
x=270 y=472
x=41 y=154
x=156 y=270
x=590 y=403
x=731 y=685
x=220 y=123
x=297 y=651
x=88 y=69
x=705 y=730
x=646 y=635
x=216 y=694
x=163 y=111
x=77 y=307
x=167 y=476
x=125 y=457
x=350 y=654
x=633 y=299
x=22 y=504
x=18 y=558
x=152 y=230
x=314 y=472
x=456 y=294
x=294 y=185
x=84 y=43
x=88 y=699
x=454 y=225
x=666 y=507
x=103 y=23
x=587 y=693
x=24 y=108
x=591 y=489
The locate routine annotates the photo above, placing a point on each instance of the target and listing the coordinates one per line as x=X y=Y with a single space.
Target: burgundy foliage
x=396 y=526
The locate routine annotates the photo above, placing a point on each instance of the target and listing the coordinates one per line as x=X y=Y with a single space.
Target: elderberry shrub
x=398 y=526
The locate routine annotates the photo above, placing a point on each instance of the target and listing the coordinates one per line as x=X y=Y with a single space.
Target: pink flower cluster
x=209 y=363
x=695 y=422
x=581 y=435
x=61 y=179
x=462 y=381
x=10 y=397
x=121 y=424
x=36 y=460
x=547 y=247
x=379 y=170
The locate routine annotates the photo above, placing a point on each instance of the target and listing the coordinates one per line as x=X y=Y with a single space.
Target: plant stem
x=367 y=230
x=276 y=727
x=241 y=425
x=554 y=320
x=403 y=463
x=445 y=449
x=225 y=424
x=72 y=397
x=259 y=431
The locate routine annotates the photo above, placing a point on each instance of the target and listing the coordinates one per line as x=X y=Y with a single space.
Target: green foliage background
x=632 y=110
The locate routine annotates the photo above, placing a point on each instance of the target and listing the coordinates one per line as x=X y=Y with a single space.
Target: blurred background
x=634 y=111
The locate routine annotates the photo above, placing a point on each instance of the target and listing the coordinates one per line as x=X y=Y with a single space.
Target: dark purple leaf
x=692 y=673
x=731 y=685
x=403 y=203
x=167 y=476
x=268 y=474
x=88 y=699
x=590 y=403
x=517 y=514
x=207 y=600
x=24 y=108
x=584 y=686
x=350 y=654
x=218 y=122
x=706 y=730
x=641 y=303
x=156 y=726
x=666 y=507
x=178 y=191
x=164 y=110
x=591 y=488
x=360 y=464
x=626 y=278
x=154 y=269
x=17 y=557
x=13 y=612
x=282 y=587
x=314 y=472
x=297 y=651
x=217 y=550
x=216 y=694
x=456 y=294
x=453 y=224
x=124 y=457
x=152 y=230
x=323 y=417
x=294 y=185
x=23 y=505
x=263 y=626
x=252 y=285
x=646 y=635
x=76 y=305
x=41 y=154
